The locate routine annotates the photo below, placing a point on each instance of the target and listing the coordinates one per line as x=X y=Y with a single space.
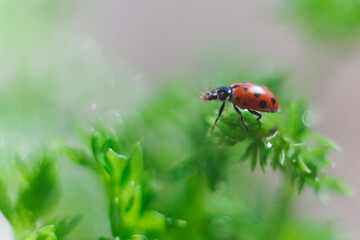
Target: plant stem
x=280 y=210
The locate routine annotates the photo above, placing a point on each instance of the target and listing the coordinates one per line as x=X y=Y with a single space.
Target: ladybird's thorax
x=221 y=94
x=224 y=93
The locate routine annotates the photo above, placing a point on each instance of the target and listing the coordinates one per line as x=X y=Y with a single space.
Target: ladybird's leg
x=242 y=120
x=256 y=114
x=220 y=112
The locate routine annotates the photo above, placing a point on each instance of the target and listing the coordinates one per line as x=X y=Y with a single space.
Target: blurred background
x=62 y=59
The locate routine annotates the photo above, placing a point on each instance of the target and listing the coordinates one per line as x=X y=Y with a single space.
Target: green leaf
x=294 y=150
x=248 y=151
x=282 y=157
x=97 y=141
x=336 y=185
x=115 y=216
x=133 y=208
x=82 y=132
x=175 y=222
x=44 y=233
x=118 y=163
x=317 y=154
x=6 y=205
x=136 y=162
x=275 y=156
x=302 y=165
x=106 y=238
x=43 y=190
x=126 y=174
x=294 y=124
x=263 y=152
x=111 y=144
x=254 y=158
x=301 y=182
x=138 y=237
x=65 y=226
x=97 y=147
x=152 y=220
x=79 y=156
x=322 y=140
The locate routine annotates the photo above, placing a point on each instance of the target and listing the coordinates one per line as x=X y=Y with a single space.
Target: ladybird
x=248 y=96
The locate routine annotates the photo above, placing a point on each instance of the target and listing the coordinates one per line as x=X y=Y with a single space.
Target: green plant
x=29 y=190
x=115 y=154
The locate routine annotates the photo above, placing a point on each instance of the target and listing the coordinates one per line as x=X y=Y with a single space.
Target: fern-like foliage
x=285 y=142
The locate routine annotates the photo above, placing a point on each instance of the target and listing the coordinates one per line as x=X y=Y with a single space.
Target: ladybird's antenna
x=201 y=96
x=201 y=92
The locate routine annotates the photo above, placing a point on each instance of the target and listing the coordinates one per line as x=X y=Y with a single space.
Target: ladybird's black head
x=221 y=94
x=210 y=95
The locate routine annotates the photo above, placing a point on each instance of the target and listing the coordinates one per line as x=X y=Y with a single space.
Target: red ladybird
x=246 y=96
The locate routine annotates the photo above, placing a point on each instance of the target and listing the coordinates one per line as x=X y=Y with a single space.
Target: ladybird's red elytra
x=254 y=98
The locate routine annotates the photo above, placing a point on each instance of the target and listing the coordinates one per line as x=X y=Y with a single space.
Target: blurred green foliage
x=29 y=190
x=57 y=231
x=332 y=21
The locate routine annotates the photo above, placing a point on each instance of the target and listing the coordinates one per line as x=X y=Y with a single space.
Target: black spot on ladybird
x=257 y=94
x=245 y=103
x=236 y=86
x=262 y=104
x=246 y=89
x=237 y=98
x=273 y=100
